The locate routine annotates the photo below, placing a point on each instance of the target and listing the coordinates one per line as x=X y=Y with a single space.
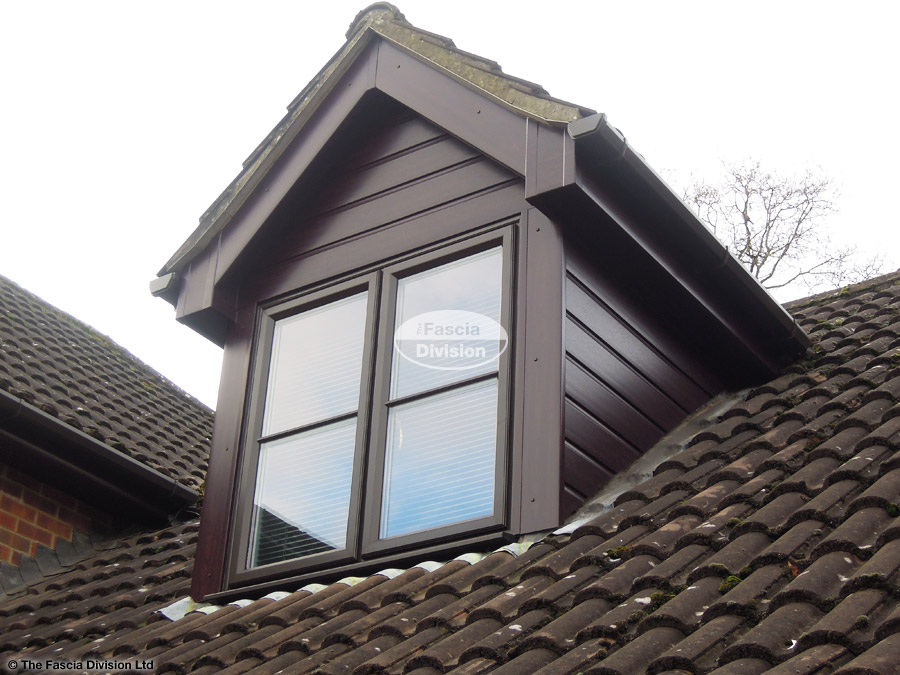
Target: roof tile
x=77 y=380
x=815 y=660
x=848 y=624
x=880 y=659
x=771 y=639
x=631 y=657
x=699 y=649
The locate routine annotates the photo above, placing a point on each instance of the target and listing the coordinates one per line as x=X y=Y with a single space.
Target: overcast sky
x=122 y=121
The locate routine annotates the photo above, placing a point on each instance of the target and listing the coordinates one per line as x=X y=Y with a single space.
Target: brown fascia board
x=53 y=451
x=688 y=251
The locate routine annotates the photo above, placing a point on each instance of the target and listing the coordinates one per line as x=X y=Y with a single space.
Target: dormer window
x=452 y=308
x=378 y=409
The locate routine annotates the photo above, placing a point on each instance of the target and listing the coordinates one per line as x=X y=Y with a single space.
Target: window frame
x=372 y=544
x=380 y=282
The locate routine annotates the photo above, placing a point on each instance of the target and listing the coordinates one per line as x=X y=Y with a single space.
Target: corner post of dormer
x=549 y=159
x=537 y=433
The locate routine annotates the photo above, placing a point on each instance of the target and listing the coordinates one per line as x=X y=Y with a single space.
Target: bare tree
x=775 y=226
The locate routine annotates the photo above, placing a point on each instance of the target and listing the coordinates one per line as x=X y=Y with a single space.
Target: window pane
x=464 y=295
x=303 y=494
x=439 y=464
x=314 y=372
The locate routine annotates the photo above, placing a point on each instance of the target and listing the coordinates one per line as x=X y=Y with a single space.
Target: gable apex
x=526 y=100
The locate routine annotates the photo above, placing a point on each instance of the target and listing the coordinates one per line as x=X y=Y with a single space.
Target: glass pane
x=303 y=494
x=439 y=463
x=314 y=372
x=447 y=327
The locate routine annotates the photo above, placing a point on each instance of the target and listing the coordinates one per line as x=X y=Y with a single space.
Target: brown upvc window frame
x=268 y=315
x=363 y=544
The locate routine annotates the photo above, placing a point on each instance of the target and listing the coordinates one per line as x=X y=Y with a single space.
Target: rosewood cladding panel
x=622 y=393
x=409 y=167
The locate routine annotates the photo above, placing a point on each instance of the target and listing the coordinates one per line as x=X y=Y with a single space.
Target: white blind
x=440 y=457
x=314 y=372
x=303 y=494
x=471 y=284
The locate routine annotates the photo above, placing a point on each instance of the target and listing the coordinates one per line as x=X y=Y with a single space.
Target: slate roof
x=54 y=362
x=383 y=19
x=767 y=542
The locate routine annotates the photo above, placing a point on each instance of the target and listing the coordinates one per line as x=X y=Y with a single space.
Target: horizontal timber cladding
x=622 y=392
x=404 y=168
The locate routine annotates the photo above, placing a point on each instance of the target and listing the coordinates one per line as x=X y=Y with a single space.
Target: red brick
x=16 y=558
x=40 y=502
x=5 y=553
x=8 y=521
x=18 y=509
x=14 y=541
x=35 y=534
x=55 y=526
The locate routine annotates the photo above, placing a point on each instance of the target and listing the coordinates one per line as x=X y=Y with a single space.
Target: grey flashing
x=11 y=579
x=81 y=542
x=65 y=553
x=29 y=570
x=47 y=560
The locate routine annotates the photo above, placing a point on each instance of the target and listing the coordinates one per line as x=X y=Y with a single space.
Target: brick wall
x=33 y=513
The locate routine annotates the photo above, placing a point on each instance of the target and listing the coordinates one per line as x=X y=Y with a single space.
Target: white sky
x=122 y=121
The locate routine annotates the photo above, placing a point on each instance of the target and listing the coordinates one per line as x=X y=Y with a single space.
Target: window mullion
x=377 y=423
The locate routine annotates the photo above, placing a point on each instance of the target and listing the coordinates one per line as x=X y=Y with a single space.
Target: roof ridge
x=374 y=12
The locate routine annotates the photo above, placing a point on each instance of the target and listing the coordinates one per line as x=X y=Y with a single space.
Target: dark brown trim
x=371 y=543
x=496 y=131
x=550 y=161
x=210 y=564
x=538 y=435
